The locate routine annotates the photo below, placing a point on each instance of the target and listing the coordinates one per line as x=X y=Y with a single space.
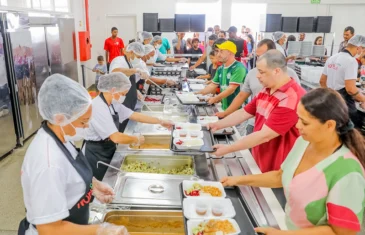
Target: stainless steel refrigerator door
x=23 y=59
x=8 y=136
x=54 y=49
x=40 y=55
x=67 y=31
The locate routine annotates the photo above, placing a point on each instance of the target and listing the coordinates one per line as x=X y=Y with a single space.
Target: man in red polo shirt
x=275 y=111
x=113 y=47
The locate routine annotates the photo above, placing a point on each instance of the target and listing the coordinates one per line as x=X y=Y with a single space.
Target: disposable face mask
x=135 y=61
x=80 y=134
x=158 y=46
x=151 y=60
x=121 y=99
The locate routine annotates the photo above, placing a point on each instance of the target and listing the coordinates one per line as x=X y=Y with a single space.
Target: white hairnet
x=60 y=95
x=118 y=80
x=146 y=35
x=137 y=48
x=357 y=40
x=148 y=49
x=155 y=39
x=277 y=36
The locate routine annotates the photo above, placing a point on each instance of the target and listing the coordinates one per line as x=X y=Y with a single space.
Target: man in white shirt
x=252 y=86
x=340 y=74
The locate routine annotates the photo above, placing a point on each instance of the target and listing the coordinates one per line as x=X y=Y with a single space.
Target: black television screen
x=167 y=25
x=197 y=23
x=150 y=22
x=182 y=23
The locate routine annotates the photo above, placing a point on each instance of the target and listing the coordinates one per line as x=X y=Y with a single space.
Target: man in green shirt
x=228 y=77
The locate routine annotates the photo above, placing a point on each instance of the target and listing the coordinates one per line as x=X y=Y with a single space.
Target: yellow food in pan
x=152 y=146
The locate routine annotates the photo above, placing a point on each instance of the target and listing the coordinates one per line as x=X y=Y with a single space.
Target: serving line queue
x=284 y=117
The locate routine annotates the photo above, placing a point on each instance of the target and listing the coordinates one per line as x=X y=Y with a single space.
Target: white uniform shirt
x=101 y=124
x=281 y=49
x=142 y=65
x=118 y=62
x=51 y=185
x=339 y=68
x=123 y=112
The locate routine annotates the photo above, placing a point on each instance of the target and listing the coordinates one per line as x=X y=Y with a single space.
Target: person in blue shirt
x=165 y=46
x=100 y=69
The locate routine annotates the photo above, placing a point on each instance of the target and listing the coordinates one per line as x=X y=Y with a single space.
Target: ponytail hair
x=355 y=141
x=326 y=104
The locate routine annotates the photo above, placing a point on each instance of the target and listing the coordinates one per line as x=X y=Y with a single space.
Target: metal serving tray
x=154 y=190
x=155 y=143
x=148 y=222
x=158 y=161
x=206 y=148
x=191 y=103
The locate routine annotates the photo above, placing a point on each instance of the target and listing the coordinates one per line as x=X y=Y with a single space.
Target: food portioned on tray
x=187 y=97
x=151 y=99
x=198 y=189
x=214 y=227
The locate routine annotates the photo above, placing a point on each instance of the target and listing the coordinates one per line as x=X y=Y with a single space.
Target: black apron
x=130 y=99
x=350 y=103
x=79 y=213
x=102 y=150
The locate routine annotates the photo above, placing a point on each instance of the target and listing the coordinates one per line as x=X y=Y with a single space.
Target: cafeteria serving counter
x=261 y=204
x=149 y=201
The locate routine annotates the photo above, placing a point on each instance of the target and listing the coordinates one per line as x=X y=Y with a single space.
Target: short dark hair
x=222 y=31
x=350 y=28
x=195 y=40
x=212 y=53
x=132 y=41
x=268 y=42
x=100 y=58
x=114 y=28
x=213 y=37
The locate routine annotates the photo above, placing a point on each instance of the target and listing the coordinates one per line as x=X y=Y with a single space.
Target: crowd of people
x=306 y=143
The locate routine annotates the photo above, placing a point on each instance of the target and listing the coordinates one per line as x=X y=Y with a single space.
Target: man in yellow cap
x=229 y=76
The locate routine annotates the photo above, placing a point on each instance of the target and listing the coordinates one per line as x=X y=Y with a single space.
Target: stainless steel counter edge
x=265 y=196
x=269 y=198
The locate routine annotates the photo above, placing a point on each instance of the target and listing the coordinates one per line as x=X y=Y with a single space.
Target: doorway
x=247 y=14
x=126 y=25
